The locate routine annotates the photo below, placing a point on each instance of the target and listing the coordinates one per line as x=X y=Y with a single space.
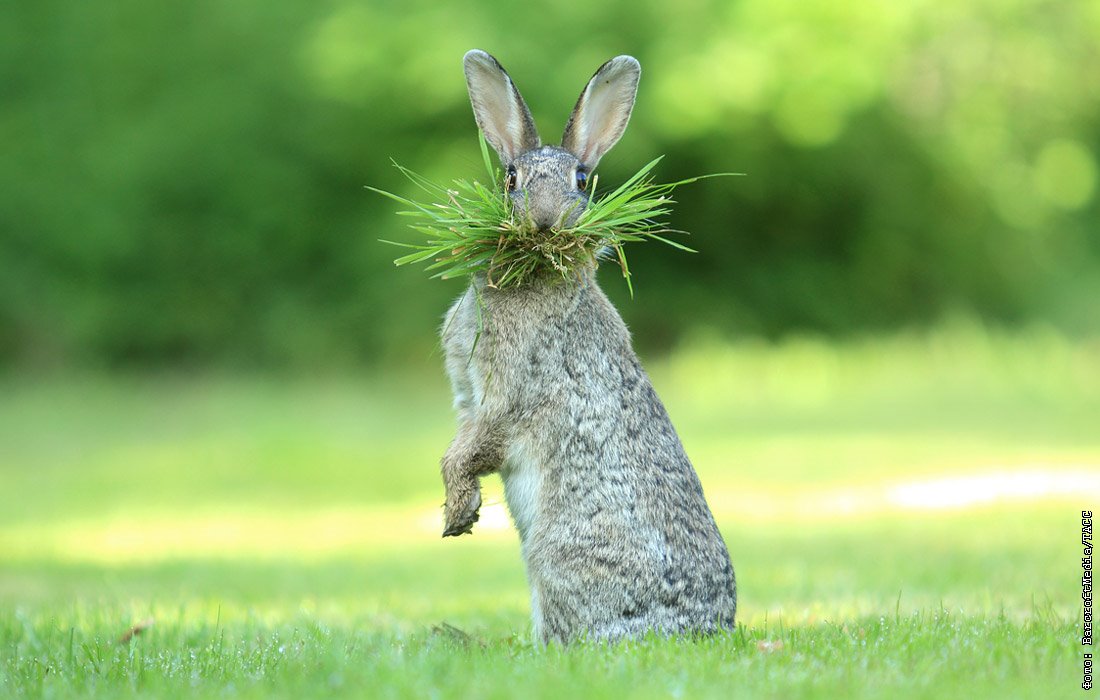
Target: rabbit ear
x=499 y=109
x=602 y=111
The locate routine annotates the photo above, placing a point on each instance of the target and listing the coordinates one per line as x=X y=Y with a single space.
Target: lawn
x=903 y=514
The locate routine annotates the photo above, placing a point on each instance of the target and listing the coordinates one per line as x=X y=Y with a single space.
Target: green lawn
x=902 y=513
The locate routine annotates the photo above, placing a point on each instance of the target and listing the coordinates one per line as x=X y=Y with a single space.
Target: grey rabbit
x=616 y=535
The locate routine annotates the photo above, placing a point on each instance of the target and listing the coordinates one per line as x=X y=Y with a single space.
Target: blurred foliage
x=183 y=182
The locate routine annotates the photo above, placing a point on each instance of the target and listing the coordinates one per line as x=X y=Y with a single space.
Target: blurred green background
x=183 y=181
x=220 y=403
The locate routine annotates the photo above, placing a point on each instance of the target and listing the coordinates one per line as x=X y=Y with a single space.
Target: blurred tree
x=182 y=181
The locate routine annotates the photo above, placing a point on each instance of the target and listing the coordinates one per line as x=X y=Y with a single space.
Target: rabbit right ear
x=499 y=109
x=603 y=110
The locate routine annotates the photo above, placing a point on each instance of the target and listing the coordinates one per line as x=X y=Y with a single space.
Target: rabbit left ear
x=603 y=110
x=501 y=113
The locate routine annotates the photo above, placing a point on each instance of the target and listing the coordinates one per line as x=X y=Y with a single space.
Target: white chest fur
x=522 y=479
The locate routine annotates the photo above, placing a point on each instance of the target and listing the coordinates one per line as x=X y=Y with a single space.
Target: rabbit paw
x=461 y=512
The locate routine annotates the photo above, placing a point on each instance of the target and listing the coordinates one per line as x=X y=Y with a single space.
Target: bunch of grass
x=472 y=229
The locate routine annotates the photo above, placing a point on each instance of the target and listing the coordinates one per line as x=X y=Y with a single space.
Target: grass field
x=903 y=514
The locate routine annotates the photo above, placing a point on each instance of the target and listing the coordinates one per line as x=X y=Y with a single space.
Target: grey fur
x=615 y=532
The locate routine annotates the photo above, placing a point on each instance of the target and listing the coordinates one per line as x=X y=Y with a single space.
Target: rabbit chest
x=547 y=364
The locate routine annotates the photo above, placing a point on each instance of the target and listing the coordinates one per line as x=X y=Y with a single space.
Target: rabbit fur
x=615 y=532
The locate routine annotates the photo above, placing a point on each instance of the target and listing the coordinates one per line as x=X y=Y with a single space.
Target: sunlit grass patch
x=985 y=560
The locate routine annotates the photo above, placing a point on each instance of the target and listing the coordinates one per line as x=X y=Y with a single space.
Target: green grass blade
x=469 y=228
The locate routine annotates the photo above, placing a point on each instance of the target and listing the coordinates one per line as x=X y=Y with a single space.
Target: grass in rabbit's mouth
x=470 y=227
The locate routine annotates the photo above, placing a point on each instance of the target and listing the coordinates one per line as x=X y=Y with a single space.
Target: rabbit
x=615 y=533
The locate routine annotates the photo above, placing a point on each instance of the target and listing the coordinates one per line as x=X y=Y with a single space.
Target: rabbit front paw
x=461 y=510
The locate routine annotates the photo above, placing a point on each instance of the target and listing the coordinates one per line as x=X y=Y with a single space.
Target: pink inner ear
x=603 y=122
x=603 y=111
x=498 y=108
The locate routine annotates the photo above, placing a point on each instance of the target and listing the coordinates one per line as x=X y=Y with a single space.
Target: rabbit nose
x=544 y=218
x=544 y=223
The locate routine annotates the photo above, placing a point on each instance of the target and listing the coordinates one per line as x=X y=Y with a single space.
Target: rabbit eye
x=510 y=180
x=582 y=179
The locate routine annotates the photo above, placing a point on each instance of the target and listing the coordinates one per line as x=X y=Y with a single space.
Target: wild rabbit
x=615 y=532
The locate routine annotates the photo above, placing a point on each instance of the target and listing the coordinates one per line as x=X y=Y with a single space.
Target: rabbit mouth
x=560 y=212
